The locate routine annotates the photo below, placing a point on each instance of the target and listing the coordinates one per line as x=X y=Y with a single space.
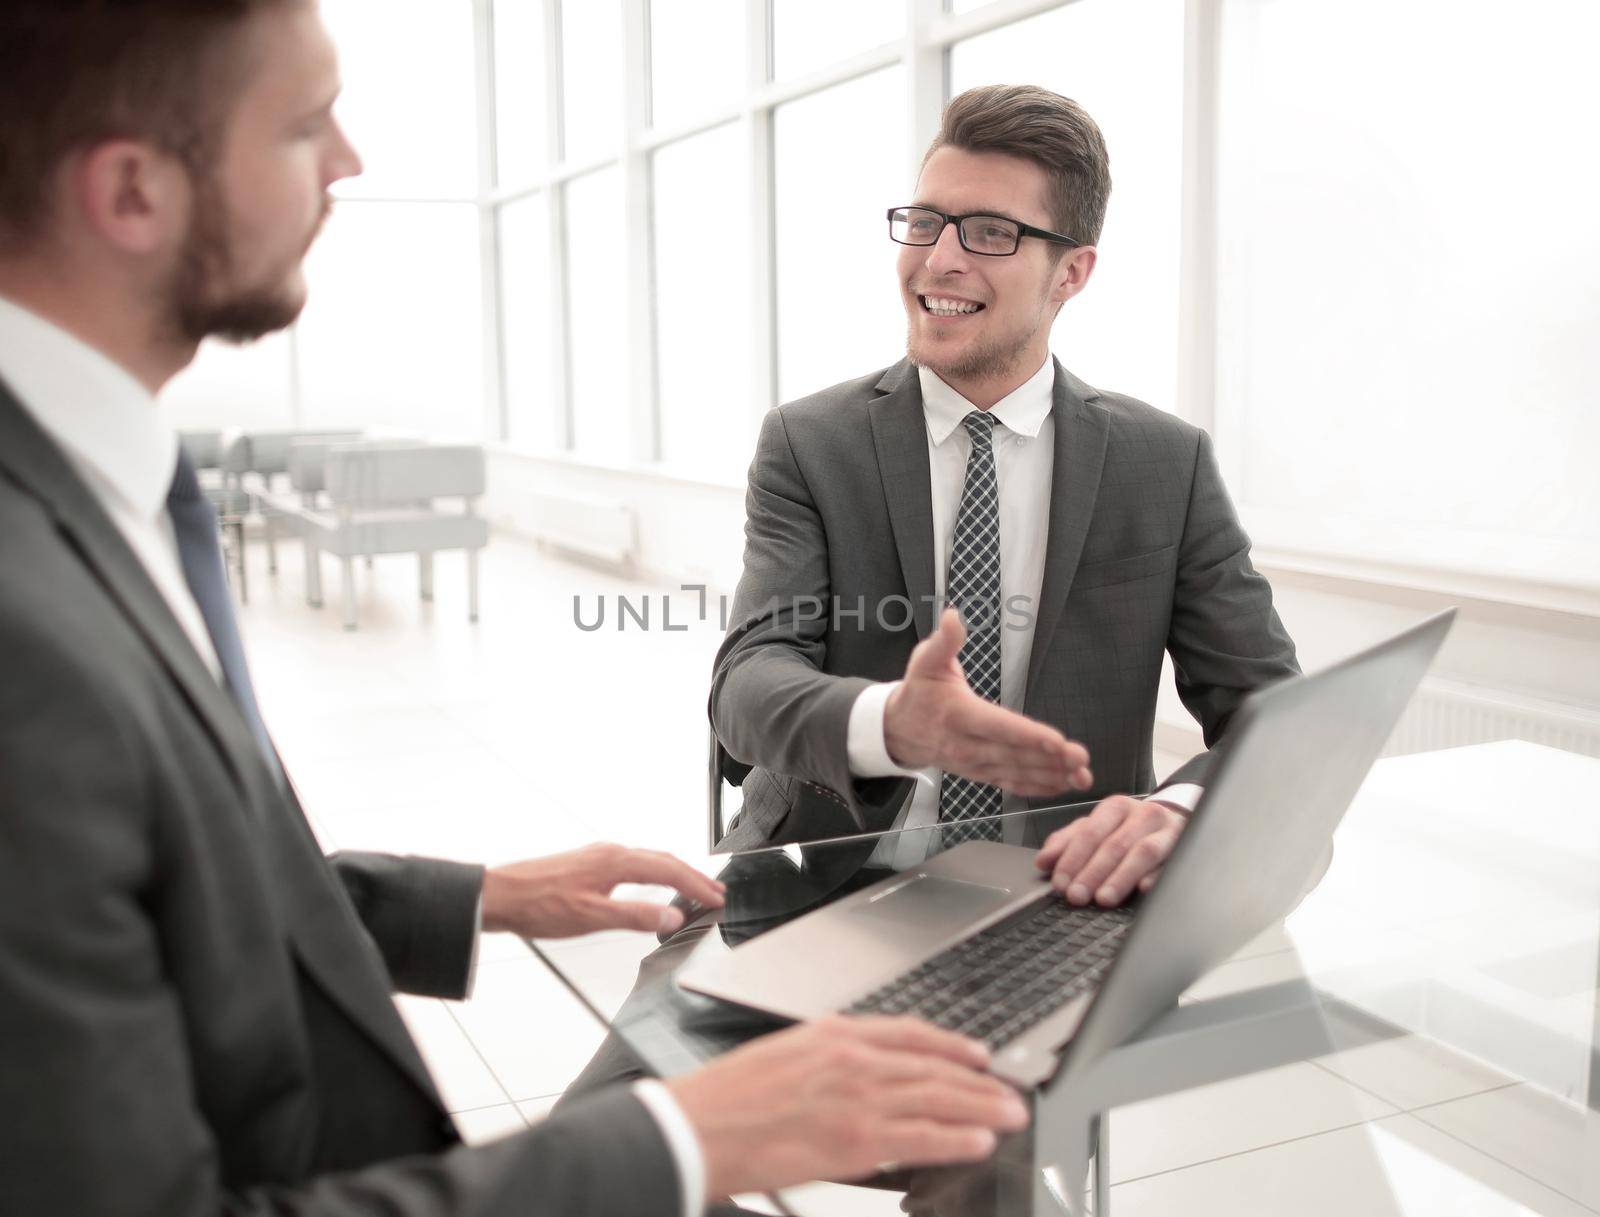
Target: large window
x=1408 y=314
x=631 y=269
x=596 y=277
x=231 y=386
x=697 y=59
x=591 y=78
x=521 y=86
x=841 y=162
x=1364 y=261
x=393 y=334
x=1121 y=332
x=702 y=275
x=534 y=419
x=408 y=102
x=812 y=34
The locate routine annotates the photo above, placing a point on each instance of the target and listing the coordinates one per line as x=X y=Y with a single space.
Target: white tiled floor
x=525 y=735
x=1384 y=1169
x=1235 y=1117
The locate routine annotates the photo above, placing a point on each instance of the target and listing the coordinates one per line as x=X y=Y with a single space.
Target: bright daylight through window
x=635 y=283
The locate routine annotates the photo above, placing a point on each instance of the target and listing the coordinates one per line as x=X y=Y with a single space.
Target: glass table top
x=673 y=1029
x=1455 y=935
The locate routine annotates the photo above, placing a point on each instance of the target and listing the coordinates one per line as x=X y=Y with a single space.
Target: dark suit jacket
x=195 y=1013
x=1145 y=556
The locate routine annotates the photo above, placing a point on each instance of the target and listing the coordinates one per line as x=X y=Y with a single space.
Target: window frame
x=924 y=52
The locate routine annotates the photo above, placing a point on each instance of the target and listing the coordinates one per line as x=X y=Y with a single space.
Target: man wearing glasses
x=1081 y=533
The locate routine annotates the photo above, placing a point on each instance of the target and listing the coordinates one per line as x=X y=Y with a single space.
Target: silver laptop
x=976 y=940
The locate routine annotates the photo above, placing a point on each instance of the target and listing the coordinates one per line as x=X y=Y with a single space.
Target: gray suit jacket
x=1145 y=556
x=195 y=1012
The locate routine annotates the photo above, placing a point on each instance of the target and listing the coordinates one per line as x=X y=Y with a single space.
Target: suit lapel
x=310 y=898
x=35 y=462
x=900 y=435
x=1080 y=451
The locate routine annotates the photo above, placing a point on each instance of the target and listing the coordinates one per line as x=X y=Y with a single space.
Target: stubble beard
x=993 y=360
x=202 y=303
x=998 y=359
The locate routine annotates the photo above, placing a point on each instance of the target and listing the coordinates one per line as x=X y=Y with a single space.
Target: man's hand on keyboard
x=567 y=894
x=839 y=1099
x=1118 y=847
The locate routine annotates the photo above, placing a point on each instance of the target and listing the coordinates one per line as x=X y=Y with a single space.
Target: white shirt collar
x=91 y=406
x=1022 y=411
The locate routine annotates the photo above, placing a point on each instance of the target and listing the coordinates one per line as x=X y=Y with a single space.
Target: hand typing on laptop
x=568 y=894
x=841 y=1097
x=1119 y=846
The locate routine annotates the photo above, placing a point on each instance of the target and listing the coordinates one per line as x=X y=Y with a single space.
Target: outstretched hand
x=935 y=719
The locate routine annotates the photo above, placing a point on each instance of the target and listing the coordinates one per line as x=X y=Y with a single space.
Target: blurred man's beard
x=203 y=302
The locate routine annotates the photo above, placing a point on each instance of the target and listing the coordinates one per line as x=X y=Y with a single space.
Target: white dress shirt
x=1024 y=465
x=112 y=433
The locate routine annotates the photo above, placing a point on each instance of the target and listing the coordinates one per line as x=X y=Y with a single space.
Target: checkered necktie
x=973 y=586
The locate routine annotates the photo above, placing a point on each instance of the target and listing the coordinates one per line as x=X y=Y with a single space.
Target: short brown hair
x=1053 y=132
x=76 y=72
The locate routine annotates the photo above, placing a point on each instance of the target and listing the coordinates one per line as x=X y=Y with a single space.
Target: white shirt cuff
x=1182 y=795
x=868 y=751
x=477 y=937
x=681 y=1139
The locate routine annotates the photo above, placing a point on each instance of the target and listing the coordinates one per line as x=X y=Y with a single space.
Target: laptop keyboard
x=1001 y=981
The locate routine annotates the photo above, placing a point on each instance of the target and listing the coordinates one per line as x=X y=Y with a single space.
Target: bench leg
x=472 y=585
x=244 y=583
x=425 y=570
x=347 y=591
x=313 y=573
x=271 y=530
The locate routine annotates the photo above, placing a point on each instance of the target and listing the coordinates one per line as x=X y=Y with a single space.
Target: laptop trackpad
x=932 y=905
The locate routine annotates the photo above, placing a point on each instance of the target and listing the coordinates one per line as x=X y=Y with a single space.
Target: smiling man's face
x=982 y=324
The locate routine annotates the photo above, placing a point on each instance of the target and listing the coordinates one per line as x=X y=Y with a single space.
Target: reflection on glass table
x=673 y=1028
x=1445 y=965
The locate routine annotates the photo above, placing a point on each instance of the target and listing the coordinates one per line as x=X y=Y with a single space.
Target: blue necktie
x=194 y=522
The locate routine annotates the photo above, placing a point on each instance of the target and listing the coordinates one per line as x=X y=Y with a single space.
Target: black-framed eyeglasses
x=991 y=236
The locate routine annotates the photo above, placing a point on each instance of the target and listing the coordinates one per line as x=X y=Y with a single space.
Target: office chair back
x=204 y=448
x=308 y=460
x=266 y=453
x=365 y=477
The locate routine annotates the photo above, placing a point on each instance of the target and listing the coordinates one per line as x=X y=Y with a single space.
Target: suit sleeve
x=601 y=1155
x=422 y=913
x=772 y=705
x=95 y=1059
x=1225 y=637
